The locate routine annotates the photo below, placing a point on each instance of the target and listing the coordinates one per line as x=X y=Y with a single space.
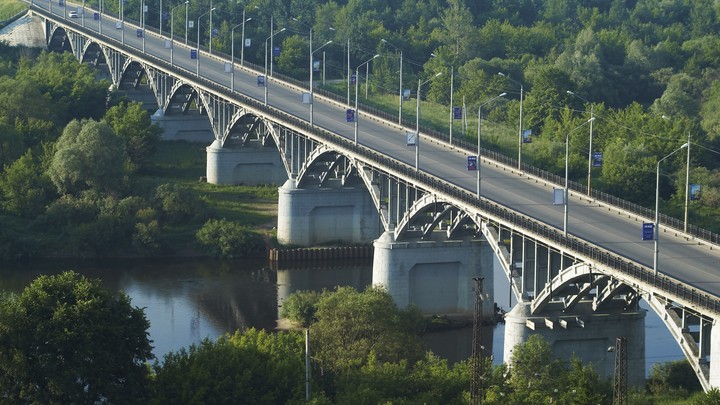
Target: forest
x=646 y=70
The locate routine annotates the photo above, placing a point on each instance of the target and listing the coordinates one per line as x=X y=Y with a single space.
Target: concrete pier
x=308 y=217
x=189 y=127
x=435 y=276
x=244 y=165
x=588 y=339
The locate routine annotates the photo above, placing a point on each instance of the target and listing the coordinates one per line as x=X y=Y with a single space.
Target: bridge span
x=430 y=229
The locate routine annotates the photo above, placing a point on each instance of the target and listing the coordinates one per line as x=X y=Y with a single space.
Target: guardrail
x=492 y=210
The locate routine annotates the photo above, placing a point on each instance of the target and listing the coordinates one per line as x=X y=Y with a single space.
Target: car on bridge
x=73 y=14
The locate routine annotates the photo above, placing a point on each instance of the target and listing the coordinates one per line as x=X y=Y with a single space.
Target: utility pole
x=476 y=388
x=620 y=393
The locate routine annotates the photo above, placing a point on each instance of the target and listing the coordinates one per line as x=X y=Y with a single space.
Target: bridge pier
x=314 y=216
x=584 y=333
x=435 y=276
x=190 y=127
x=244 y=165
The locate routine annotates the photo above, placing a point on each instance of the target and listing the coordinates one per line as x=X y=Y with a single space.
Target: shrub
x=226 y=239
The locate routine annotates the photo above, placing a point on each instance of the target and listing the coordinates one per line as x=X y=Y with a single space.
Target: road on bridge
x=688 y=260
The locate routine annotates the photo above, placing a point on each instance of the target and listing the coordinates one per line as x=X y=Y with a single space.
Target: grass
x=184 y=163
x=9 y=8
x=497 y=137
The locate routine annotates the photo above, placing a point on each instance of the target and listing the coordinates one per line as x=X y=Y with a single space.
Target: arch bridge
x=561 y=280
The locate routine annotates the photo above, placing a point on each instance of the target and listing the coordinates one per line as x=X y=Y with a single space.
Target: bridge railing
x=471 y=148
x=493 y=210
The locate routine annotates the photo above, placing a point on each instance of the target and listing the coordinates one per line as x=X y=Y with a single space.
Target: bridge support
x=314 y=216
x=586 y=334
x=244 y=165
x=191 y=127
x=435 y=276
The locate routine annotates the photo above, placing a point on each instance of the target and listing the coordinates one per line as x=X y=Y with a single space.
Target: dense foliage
x=629 y=61
x=65 y=339
x=79 y=173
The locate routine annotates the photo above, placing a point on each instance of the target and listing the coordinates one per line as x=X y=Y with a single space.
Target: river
x=187 y=300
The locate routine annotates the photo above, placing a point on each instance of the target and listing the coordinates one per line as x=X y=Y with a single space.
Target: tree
x=25 y=189
x=65 y=339
x=351 y=325
x=132 y=123
x=222 y=238
x=88 y=155
x=252 y=367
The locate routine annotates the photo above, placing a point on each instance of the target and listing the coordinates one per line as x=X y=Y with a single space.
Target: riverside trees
x=65 y=339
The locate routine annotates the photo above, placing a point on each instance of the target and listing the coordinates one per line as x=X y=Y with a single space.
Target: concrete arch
x=180 y=98
x=254 y=128
x=59 y=40
x=428 y=212
x=332 y=165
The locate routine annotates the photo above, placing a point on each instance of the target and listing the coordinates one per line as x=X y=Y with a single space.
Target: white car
x=73 y=14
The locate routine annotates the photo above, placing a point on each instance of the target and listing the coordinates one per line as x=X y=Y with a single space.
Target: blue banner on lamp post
x=457 y=113
x=648 y=231
x=472 y=162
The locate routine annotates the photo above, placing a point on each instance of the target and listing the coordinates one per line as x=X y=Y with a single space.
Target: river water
x=187 y=300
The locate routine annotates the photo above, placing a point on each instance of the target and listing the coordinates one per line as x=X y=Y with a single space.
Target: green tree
x=673 y=378
x=351 y=325
x=300 y=307
x=25 y=188
x=252 y=367
x=88 y=155
x=428 y=381
x=223 y=238
x=67 y=340
x=132 y=123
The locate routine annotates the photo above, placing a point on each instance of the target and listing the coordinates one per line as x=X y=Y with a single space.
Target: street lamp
x=520 y=130
x=186 y=21
x=160 y=16
x=265 y=82
x=357 y=79
x=657 y=206
x=142 y=23
x=452 y=88
x=197 y=67
x=232 y=49
x=242 y=38
x=172 y=29
x=567 y=153
x=590 y=151
x=478 y=137
x=312 y=71
x=400 y=92
x=311 y=68
x=417 y=121
x=687 y=179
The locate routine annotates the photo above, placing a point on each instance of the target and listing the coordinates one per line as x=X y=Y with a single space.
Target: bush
x=226 y=239
x=300 y=307
x=178 y=204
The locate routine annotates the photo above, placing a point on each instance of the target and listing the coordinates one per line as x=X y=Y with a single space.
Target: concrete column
x=715 y=355
x=589 y=341
x=244 y=165
x=436 y=276
x=309 y=217
x=191 y=127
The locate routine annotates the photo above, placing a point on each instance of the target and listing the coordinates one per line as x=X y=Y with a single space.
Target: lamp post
x=417 y=121
x=160 y=16
x=142 y=23
x=210 y=33
x=520 y=130
x=172 y=29
x=452 y=90
x=100 y=16
x=197 y=66
x=232 y=49
x=687 y=184
x=590 y=151
x=657 y=206
x=687 y=179
x=121 y=7
x=567 y=155
x=186 y=21
x=311 y=68
x=265 y=83
x=400 y=91
x=357 y=114
x=478 y=137
x=312 y=71
x=242 y=38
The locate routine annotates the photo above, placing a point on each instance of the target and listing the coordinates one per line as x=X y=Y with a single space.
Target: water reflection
x=187 y=300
